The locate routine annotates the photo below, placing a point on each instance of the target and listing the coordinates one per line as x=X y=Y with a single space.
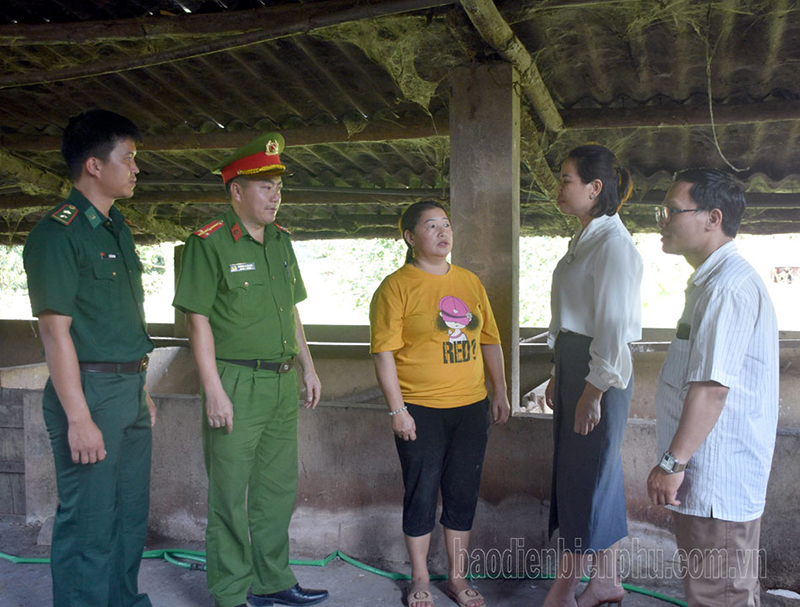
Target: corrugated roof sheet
x=632 y=75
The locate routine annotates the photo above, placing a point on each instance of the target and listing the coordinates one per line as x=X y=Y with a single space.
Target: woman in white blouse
x=596 y=314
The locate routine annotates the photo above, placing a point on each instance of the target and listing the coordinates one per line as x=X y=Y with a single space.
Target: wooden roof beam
x=678 y=116
x=161 y=229
x=354 y=196
x=419 y=127
x=754 y=200
x=499 y=35
x=673 y=116
x=291 y=16
x=31 y=179
x=286 y=20
x=302 y=196
x=532 y=154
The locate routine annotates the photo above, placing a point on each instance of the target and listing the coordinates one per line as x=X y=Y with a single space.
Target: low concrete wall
x=12 y=453
x=350 y=487
x=27 y=347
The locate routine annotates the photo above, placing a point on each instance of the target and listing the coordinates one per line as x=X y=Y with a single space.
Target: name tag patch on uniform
x=107 y=255
x=242 y=267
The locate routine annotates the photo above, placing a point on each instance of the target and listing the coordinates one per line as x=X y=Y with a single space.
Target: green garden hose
x=197 y=562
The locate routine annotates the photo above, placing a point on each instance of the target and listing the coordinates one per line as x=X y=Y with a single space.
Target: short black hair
x=715 y=189
x=598 y=162
x=242 y=179
x=94 y=133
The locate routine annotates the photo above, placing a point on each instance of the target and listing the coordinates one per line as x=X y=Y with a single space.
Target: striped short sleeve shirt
x=727 y=333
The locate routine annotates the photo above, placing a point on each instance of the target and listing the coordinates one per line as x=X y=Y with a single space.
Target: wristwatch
x=670 y=464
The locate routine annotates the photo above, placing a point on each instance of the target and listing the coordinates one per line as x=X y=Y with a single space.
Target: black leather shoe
x=291 y=596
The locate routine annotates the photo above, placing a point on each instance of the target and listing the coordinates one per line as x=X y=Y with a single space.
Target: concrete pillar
x=484 y=193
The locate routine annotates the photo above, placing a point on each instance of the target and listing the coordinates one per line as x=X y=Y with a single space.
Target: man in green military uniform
x=85 y=286
x=238 y=287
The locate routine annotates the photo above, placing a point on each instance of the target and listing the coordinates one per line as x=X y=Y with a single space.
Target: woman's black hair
x=410 y=218
x=598 y=162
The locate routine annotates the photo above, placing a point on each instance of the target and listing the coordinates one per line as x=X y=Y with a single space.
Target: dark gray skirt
x=587 y=503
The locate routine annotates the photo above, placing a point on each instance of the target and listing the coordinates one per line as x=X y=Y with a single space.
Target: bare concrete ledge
x=24 y=377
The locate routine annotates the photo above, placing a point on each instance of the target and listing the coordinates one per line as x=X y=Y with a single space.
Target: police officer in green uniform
x=238 y=286
x=85 y=284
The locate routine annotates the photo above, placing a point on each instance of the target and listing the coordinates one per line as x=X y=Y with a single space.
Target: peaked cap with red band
x=257 y=157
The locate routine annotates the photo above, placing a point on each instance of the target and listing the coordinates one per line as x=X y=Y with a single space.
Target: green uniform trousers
x=252 y=484
x=101 y=521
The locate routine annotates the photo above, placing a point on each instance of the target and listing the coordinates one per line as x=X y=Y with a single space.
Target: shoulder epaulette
x=282 y=229
x=65 y=213
x=208 y=230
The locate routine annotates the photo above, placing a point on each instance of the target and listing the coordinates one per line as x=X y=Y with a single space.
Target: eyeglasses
x=665 y=213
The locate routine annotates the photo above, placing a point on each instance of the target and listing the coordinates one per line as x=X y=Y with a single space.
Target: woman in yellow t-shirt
x=432 y=330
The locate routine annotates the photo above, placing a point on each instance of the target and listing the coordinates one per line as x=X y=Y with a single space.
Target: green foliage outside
x=538 y=257
x=12 y=273
x=157 y=279
x=154 y=262
x=342 y=275
x=14 y=302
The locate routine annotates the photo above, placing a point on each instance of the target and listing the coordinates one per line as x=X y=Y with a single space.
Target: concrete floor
x=24 y=585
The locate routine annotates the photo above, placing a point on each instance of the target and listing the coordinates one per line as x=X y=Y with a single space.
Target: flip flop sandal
x=414 y=599
x=464 y=597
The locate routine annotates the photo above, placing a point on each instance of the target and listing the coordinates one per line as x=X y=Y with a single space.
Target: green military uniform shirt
x=84 y=265
x=246 y=289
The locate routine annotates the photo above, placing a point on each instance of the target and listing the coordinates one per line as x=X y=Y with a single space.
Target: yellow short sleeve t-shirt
x=435 y=325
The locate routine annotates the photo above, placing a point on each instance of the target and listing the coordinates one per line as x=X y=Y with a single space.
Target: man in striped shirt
x=717 y=396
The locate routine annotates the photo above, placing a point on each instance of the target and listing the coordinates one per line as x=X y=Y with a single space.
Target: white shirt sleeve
x=617 y=270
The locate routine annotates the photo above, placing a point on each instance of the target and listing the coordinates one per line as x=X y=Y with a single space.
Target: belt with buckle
x=261 y=365
x=135 y=366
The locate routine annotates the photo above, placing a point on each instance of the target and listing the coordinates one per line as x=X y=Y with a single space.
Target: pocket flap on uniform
x=243 y=280
x=107 y=269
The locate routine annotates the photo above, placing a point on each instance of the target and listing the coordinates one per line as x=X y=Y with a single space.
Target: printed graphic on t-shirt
x=454 y=317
